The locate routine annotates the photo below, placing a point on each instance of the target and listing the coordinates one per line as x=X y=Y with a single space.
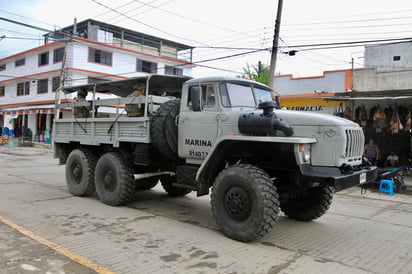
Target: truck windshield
x=238 y=95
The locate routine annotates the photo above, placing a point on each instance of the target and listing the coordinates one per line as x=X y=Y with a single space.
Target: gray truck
x=220 y=133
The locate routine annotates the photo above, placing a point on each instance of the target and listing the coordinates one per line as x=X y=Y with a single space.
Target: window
x=2 y=67
x=95 y=80
x=58 y=55
x=23 y=88
x=173 y=71
x=145 y=66
x=100 y=56
x=237 y=95
x=396 y=58
x=43 y=59
x=42 y=86
x=20 y=62
x=55 y=83
x=208 y=96
x=2 y=89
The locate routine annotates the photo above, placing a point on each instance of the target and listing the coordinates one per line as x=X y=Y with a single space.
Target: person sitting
x=136 y=110
x=81 y=111
x=392 y=160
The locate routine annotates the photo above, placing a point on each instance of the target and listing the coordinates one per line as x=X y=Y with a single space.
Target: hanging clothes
x=408 y=119
x=396 y=124
x=379 y=120
x=348 y=113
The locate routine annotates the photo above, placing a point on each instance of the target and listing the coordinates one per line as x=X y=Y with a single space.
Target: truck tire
x=79 y=172
x=310 y=205
x=167 y=182
x=114 y=179
x=164 y=129
x=245 y=202
x=146 y=183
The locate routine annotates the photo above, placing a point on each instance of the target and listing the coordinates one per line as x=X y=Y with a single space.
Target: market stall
x=385 y=117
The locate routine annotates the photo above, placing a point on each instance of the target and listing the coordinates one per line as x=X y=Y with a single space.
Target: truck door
x=198 y=127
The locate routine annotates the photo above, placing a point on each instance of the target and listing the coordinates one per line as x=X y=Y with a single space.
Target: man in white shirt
x=392 y=160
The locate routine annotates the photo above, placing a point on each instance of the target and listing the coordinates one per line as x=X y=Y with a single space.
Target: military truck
x=222 y=134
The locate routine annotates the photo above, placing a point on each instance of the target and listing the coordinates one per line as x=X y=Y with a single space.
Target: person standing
x=371 y=151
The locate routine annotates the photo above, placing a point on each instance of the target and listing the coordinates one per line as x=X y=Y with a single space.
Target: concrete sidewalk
x=20 y=254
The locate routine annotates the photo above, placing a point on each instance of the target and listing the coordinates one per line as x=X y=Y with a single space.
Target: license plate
x=362 y=178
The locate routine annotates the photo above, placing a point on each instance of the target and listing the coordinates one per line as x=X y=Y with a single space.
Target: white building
x=95 y=51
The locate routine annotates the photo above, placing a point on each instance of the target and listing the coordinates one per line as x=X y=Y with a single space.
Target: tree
x=259 y=73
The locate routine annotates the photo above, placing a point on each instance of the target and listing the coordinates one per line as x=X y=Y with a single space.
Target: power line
x=351 y=43
x=24 y=24
x=108 y=11
x=349 y=21
x=142 y=12
x=189 y=18
x=23 y=38
x=145 y=24
x=27 y=18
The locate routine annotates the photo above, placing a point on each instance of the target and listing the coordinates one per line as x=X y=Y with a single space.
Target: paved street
x=43 y=228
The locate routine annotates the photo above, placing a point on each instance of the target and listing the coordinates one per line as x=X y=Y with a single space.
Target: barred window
x=23 y=88
x=173 y=71
x=42 y=86
x=100 y=56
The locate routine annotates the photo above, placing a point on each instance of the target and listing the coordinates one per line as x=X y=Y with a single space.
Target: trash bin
x=47 y=136
x=10 y=144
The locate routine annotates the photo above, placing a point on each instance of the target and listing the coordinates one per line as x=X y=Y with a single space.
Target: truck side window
x=224 y=96
x=189 y=99
x=208 y=96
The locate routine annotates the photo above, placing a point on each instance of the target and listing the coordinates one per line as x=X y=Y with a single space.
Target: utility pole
x=61 y=81
x=275 y=45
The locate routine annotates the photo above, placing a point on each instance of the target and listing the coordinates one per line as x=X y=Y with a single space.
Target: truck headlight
x=305 y=151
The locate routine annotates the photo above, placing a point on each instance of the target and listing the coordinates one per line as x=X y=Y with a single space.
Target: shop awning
x=29 y=110
x=323 y=100
x=374 y=95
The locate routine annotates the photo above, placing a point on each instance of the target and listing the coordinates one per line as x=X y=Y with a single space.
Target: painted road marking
x=64 y=251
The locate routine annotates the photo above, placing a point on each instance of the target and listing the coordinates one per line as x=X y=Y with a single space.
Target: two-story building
x=84 y=52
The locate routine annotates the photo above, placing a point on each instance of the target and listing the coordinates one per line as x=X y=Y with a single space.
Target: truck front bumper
x=335 y=177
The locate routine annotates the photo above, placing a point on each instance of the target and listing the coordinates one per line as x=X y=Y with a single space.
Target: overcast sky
x=231 y=24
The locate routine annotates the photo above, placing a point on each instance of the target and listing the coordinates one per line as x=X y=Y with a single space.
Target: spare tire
x=164 y=129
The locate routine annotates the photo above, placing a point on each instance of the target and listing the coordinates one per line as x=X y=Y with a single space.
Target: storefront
x=385 y=117
x=321 y=103
x=34 y=122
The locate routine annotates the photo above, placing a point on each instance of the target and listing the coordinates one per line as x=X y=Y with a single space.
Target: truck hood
x=303 y=118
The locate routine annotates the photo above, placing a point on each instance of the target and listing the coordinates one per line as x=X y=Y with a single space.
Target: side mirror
x=195 y=98
x=277 y=102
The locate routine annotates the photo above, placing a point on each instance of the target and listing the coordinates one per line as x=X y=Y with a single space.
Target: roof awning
x=29 y=110
x=157 y=85
x=301 y=100
x=376 y=98
x=374 y=95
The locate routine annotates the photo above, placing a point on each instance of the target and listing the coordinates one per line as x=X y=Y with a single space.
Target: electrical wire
x=142 y=12
x=145 y=24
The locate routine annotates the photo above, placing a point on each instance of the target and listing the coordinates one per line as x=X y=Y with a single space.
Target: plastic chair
x=386 y=186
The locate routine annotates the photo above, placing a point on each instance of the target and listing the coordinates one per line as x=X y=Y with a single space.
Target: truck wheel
x=167 y=184
x=164 y=129
x=310 y=204
x=146 y=183
x=79 y=172
x=245 y=202
x=114 y=179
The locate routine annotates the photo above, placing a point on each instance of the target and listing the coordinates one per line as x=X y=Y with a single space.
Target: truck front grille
x=354 y=144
